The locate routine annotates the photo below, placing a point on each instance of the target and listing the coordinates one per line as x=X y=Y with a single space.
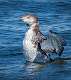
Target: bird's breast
x=27 y=42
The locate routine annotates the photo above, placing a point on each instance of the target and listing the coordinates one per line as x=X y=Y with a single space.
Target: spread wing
x=54 y=43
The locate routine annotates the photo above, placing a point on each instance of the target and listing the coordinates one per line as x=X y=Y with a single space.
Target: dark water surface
x=54 y=15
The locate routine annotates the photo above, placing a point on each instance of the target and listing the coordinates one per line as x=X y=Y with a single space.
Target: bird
x=37 y=46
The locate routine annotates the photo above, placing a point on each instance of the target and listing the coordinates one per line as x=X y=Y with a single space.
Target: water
x=55 y=15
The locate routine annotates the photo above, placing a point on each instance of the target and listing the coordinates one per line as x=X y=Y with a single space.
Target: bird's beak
x=22 y=18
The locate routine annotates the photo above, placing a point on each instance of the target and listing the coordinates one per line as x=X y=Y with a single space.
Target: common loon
x=39 y=48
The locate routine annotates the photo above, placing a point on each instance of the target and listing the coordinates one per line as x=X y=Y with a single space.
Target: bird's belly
x=31 y=51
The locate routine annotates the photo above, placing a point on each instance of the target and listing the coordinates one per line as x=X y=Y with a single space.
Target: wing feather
x=54 y=43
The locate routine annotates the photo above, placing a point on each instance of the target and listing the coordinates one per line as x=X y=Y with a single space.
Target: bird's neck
x=34 y=26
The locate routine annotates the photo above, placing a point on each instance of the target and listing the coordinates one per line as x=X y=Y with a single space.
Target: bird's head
x=29 y=19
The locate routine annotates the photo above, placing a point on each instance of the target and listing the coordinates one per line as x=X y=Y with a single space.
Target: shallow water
x=54 y=15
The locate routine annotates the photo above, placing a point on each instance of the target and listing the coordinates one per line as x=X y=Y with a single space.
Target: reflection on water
x=47 y=71
x=16 y=69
